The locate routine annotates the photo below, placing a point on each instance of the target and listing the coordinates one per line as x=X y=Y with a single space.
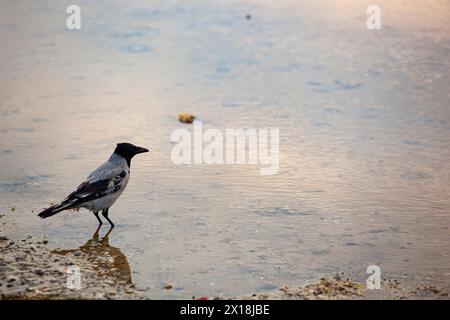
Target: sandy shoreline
x=30 y=270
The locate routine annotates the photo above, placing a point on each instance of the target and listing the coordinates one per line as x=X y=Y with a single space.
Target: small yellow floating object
x=185 y=117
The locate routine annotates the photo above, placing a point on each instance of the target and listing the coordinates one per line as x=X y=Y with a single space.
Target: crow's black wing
x=85 y=192
x=88 y=191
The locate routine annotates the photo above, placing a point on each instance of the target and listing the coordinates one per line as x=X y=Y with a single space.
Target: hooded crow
x=102 y=187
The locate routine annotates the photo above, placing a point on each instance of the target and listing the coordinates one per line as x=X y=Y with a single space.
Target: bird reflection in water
x=107 y=261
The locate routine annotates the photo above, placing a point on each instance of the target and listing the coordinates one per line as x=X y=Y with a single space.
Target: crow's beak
x=141 y=150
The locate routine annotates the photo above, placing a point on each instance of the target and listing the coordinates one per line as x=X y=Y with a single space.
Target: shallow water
x=364 y=123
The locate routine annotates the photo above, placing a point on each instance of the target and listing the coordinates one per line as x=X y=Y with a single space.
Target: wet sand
x=29 y=270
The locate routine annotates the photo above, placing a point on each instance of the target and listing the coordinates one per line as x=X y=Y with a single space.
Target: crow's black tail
x=55 y=209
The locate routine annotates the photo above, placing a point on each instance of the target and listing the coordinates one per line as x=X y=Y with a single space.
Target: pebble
x=39 y=272
x=185 y=117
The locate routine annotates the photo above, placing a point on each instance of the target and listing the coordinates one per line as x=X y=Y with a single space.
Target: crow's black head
x=128 y=151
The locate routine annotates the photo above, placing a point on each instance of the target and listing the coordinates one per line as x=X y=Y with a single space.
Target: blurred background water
x=364 y=123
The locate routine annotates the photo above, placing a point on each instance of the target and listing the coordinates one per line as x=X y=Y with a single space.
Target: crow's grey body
x=116 y=171
x=103 y=186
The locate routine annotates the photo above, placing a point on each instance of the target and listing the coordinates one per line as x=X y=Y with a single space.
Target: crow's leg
x=105 y=214
x=98 y=218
